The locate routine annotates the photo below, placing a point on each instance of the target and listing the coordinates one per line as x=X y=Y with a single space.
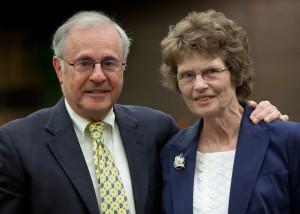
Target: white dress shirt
x=113 y=141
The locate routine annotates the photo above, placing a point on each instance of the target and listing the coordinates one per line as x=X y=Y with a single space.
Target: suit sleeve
x=12 y=182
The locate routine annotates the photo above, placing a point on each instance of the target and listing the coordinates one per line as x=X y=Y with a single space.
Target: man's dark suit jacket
x=266 y=171
x=43 y=170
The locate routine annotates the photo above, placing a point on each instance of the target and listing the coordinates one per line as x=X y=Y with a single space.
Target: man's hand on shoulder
x=265 y=111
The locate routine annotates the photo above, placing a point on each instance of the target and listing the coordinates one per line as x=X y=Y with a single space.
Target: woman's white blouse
x=212 y=182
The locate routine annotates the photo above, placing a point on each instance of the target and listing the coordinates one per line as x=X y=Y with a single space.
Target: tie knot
x=96 y=129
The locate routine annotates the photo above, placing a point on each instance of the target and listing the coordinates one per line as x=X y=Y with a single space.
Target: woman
x=223 y=163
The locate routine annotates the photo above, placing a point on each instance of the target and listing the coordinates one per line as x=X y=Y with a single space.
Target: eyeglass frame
x=202 y=72
x=121 y=64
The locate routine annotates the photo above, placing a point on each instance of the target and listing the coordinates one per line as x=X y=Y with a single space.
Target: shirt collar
x=80 y=123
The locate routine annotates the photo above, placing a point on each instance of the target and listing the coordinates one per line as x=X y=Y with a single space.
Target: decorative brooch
x=179 y=162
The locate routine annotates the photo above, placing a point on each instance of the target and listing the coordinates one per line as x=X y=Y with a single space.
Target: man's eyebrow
x=84 y=57
x=108 y=57
x=87 y=57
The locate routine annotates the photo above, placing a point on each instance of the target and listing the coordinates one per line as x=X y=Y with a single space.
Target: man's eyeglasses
x=208 y=74
x=88 y=65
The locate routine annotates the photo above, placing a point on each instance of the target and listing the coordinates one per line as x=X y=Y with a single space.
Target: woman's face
x=210 y=96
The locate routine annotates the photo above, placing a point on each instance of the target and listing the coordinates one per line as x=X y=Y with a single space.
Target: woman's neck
x=221 y=133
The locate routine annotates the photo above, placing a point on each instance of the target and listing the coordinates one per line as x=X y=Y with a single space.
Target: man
x=46 y=159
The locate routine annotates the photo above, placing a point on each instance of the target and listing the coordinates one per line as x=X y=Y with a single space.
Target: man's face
x=91 y=94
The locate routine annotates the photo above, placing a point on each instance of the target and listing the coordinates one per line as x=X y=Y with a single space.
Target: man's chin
x=98 y=107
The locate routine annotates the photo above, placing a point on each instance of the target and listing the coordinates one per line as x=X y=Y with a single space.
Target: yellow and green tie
x=112 y=193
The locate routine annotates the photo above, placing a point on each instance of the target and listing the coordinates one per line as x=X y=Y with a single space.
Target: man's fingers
x=284 y=117
x=252 y=103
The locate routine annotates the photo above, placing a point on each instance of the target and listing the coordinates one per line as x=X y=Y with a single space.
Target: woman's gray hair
x=83 y=18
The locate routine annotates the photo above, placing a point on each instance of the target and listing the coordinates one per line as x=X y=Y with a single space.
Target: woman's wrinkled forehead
x=190 y=52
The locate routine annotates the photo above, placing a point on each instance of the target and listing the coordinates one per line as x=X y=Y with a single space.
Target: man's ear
x=58 y=68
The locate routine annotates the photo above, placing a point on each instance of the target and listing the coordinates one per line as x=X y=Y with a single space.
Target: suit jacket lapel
x=252 y=145
x=135 y=145
x=182 y=180
x=67 y=151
